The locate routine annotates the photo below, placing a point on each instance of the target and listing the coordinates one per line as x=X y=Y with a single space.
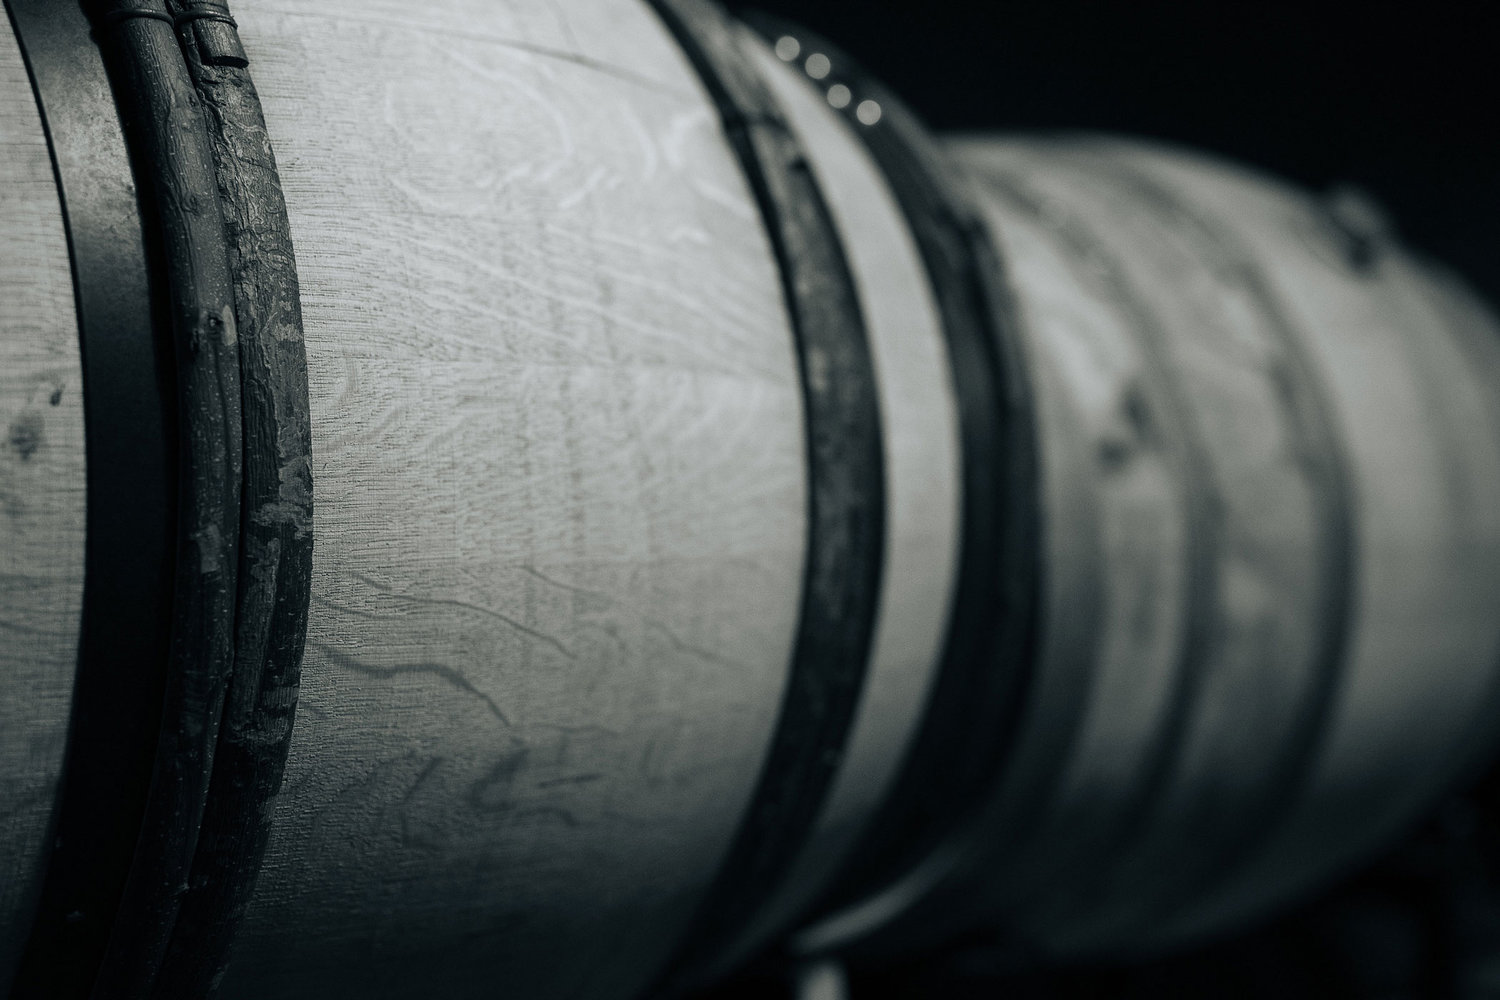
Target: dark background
x=1393 y=98
x=1396 y=100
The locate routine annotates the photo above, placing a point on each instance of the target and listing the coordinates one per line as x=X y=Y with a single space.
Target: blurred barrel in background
x=1268 y=559
x=1334 y=470
x=571 y=491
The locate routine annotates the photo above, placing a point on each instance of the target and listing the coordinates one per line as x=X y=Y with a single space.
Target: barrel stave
x=42 y=470
x=1281 y=763
x=561 y=474
x=560 y=492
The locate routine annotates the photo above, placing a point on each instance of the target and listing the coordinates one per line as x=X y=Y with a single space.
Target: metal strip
x=971 y=714
x=165 y=812
x=132 y=482
x=276 y=531
x=845 y=494
x=167 y=136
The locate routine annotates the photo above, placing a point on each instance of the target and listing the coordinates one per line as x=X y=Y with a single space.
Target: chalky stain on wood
x=41 y=498
x=560 y=487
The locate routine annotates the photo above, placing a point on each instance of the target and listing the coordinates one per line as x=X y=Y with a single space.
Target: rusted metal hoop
x=178 y=857
x=845 y=537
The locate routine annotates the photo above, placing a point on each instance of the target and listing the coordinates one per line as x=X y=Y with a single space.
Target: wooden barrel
x=713 y=537
x=562 y=496
x=1267 y=560
x=1247 y=418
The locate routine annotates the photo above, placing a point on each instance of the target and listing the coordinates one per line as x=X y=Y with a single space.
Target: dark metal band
x=214 y=30
x=204 y=15
x=110 y=18
x=988 y=652
x=168 y=139
x=210 y=38
x=276 y=530
x=846 y=488
x=175 y=866
x=131 y=442
x=1102 y=833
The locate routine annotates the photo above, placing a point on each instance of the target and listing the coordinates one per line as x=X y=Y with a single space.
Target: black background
x=1395 y=99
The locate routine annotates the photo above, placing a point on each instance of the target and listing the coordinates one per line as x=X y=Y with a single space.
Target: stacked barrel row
x=561 y=475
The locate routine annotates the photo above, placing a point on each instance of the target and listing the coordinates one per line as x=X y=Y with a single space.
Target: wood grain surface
x=559 y=490
x=41 y=498
x=561 y=508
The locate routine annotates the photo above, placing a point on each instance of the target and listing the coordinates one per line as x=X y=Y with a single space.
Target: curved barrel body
x=1335 y=563
x=42 y=490
x=1268 y=568
x=577 y=504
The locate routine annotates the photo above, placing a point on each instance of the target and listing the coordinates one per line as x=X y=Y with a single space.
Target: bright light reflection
x=868 y=112
x=788 y=48
x=839 y=96
x=818 y=66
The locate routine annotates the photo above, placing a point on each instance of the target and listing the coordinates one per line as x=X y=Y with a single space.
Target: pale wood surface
x=560 y=482
x=1121 y=471
x=1262 y=504
x=558 y=459
x=41 y=497
x=920 y=433
x=1419 y=418
x=1238 y=285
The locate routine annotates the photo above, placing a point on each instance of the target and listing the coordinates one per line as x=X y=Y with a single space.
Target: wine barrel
x=563 y=502
x=730 y=512
x=1267 y=560
x=1331 y=472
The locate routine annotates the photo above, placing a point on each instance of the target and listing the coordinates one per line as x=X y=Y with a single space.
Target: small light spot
x=226 y=320
x=839 y=96
x=818 y=66
x=210 y=543
x=868 y=112
x=788 y=48
x=819 y=370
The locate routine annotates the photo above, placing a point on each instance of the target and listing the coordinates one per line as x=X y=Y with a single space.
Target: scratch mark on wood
x=654 y=624
x=575 y=779
x=450 y=602
x=339 y=658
